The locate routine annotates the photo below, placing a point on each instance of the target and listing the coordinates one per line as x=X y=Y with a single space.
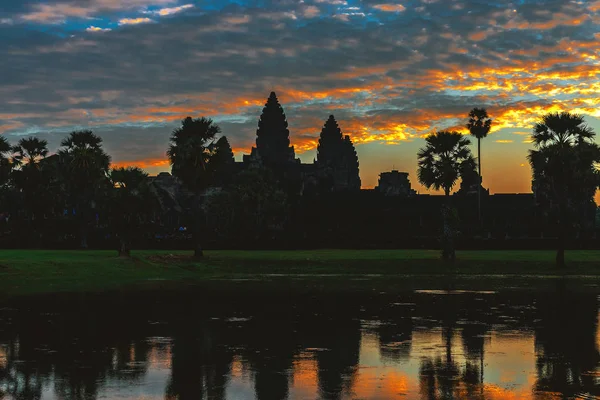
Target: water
x=285 y=344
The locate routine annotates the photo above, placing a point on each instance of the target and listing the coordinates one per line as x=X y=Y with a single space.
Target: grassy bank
x=42 y=271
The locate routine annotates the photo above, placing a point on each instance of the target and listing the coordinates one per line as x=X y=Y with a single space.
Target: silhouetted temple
x=330 y=209
x=395 y=183
x=336 y=166
x=273 y=148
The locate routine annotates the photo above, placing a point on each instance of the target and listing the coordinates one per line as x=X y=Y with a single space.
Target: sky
x=390 y=71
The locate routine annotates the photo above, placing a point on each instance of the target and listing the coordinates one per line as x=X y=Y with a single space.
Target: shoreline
x=35 y=272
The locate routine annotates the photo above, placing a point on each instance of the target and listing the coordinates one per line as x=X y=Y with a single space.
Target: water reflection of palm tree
x=566 y=345
x=473 y=336
x=439 y=376
x=75 y=352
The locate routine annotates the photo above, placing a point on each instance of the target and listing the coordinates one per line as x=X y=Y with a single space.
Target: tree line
x=223 y=200
x=565 y=163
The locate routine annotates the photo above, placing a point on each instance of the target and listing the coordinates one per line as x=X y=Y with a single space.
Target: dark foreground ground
x=24 y=272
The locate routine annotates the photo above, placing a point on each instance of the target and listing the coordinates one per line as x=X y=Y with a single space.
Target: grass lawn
x=46 y=271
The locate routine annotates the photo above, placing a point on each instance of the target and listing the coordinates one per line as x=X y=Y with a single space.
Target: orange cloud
x=558 y=19
x=134 y=21
x=388 y=7
x=173 y=10
x=478 y=36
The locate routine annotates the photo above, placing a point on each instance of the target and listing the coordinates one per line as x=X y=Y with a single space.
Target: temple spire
x=273 y=135
x=337 y=161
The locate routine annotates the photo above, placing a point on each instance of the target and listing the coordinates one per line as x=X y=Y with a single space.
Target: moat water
x=408 y=344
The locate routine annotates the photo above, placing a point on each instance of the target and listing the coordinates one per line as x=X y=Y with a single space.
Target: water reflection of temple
x=373 y=347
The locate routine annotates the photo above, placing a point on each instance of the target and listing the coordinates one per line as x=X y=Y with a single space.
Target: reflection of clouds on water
x=510 y=360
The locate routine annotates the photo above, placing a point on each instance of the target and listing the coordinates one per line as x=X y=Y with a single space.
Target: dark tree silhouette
x=29 y=151
x=29 y=179
x=439 y=166
x=189 y=153
x=84 y=166
x=479 y=126
x=470 y=181
x=273 y=136
x=132 y=204
x=251 y=207
x=5 y=164
x=564 y=169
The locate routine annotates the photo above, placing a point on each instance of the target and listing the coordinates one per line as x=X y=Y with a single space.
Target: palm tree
x=439 y=165
x=5 y=164
x=564 y=172
x=132 y=204
x=29 y=151
x=479 y=126
x=28 y=179
x=84 y=164
x=189 y=153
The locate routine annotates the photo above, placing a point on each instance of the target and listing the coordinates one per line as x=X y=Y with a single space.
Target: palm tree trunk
x=197 y=232
x=481 y=367
x=81 y=216
x=198 y=252
x=448 y=339
x=83 y=236
x=124 y=247
x=448 y=253
x=480 y=180
x=560 y=246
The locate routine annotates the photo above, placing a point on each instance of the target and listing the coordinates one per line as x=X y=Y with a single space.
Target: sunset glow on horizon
x=390 y=71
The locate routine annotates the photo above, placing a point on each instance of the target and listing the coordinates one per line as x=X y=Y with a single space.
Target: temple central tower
x=273 y=135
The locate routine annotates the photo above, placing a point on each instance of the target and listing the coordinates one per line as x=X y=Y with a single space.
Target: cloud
x=311 y=12
x=332 y=2
x=171 y=10
x=96 y=29
x=504 y=141
x=135 y=21
x=389 y=7
x=389 y=77
x=58 y=12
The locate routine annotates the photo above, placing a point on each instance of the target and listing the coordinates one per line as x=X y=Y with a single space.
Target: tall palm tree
x=28 y=178
x=439 y=165
x=564 y=169
x=189 y=153
x=5 y=164
x=131 y=204
x=479 y=126
x=84 y=164
x=29 y=151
